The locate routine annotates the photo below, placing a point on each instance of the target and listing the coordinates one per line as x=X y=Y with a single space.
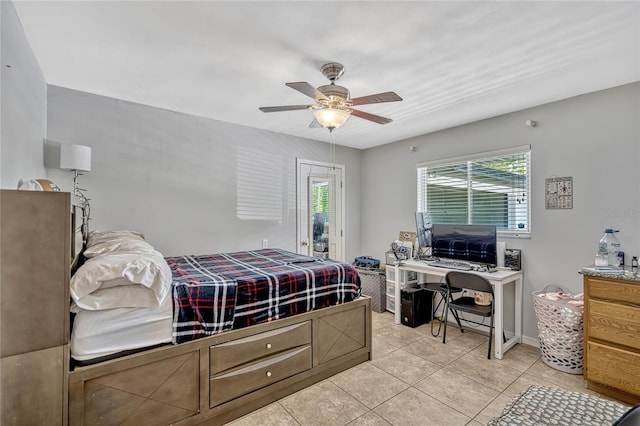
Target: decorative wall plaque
x=559 y=193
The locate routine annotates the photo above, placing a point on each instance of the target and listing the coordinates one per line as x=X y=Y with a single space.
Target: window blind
x=488 y=189
x=259 y=185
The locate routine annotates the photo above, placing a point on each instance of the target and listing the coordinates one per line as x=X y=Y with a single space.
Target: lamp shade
x=75 y=157
x=331 y=118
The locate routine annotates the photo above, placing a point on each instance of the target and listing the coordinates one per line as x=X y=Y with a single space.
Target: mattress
x=100 y=334
x=219 y=292
x=212 y=294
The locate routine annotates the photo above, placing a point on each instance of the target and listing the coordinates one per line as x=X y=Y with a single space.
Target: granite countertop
x=627 y=273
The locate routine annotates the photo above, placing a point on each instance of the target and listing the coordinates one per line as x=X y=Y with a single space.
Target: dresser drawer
x=613 y=322
x=391 y=304
x=614 y=290
x=408 y=275
x=613 y=367
x=391 y=288
x=241 y=351
x=234 y=383
x=391 y=273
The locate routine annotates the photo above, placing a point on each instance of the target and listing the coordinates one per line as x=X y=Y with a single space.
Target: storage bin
x=391 y=273
x=374 y=285
x=560 y=327
x=391 y=304
x=391 y=288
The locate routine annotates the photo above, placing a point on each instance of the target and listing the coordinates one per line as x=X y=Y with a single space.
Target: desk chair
x=445 y=294
x=468 y=281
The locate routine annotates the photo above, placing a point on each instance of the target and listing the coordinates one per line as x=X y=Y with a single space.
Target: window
x=259 y=184
x=488 y=189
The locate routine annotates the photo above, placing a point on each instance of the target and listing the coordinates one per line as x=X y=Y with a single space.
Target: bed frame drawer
x=235 y=353
x=231 y=384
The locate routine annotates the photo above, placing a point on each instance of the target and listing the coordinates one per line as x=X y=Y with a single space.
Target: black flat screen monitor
x=473 y=243
x=423 y=230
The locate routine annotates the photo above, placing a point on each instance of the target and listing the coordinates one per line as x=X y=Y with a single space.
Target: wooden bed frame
x=225 y=376
x=212 y=380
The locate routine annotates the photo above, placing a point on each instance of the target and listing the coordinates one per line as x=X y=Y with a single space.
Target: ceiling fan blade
x=307 y=89
x=315 y=124
x=283 y=108
x=371 y=117
x=377 y=98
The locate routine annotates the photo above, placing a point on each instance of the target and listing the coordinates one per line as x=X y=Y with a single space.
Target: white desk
x=497 y=279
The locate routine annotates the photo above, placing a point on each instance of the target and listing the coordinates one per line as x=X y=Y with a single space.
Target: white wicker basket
x=560 y=327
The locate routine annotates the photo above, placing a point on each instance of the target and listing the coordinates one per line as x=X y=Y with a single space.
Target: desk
x=497 y=279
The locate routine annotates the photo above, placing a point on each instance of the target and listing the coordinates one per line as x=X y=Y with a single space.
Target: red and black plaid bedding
x=214 y=293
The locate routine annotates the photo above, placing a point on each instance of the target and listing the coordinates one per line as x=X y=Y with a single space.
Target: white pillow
x=102 y=236
x=149 y=273
x=121 y=296
x=102 y=242
x=118 y=245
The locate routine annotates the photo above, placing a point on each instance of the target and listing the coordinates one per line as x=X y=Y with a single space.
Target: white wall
x=595 y=138
x=174 y=176
x=23 y=104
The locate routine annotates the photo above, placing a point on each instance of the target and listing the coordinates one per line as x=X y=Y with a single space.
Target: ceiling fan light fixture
x=333 y=104
x=331 y=118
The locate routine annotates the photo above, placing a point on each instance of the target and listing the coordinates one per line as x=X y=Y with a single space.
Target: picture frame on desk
x=400 y=252
x=407 y=236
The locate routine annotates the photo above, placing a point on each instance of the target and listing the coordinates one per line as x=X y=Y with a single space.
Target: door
x=320 y=201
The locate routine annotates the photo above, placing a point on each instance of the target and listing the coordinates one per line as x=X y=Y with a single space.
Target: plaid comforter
x=214 y=293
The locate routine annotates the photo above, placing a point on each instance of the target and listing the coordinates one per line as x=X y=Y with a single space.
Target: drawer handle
x=268 y=345
x=268 y=373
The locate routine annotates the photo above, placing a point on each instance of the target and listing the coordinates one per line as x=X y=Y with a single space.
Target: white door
x=320 y=201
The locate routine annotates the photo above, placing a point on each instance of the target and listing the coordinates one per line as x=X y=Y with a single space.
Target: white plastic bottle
x=610 y=244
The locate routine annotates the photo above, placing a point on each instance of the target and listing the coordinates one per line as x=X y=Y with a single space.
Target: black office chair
x=469 y=281
x=630 y=418
x=445 y=294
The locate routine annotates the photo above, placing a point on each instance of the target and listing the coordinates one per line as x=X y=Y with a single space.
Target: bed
x=228 y=333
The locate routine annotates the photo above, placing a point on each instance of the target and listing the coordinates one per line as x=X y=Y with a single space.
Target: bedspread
x=214 y=293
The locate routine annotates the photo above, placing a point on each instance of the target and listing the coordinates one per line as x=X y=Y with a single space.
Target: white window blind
x=487 y=189
x=259 y=185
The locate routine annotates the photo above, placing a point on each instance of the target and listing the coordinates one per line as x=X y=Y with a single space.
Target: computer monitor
x=473 y=243
x=423 y=228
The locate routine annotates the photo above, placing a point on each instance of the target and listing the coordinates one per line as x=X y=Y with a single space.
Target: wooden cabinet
x=35 y=256
x=612 y=337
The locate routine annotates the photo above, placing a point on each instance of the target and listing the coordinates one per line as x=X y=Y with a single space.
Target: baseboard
x=526 y=340
x=531 y=341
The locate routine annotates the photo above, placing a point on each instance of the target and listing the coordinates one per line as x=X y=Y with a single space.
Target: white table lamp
x=78 y=159
x=75 y=157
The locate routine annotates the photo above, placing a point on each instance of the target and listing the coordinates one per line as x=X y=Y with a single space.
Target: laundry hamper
x=560 y=327
x=374 y=284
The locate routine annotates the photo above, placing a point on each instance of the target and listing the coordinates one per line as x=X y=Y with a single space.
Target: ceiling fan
x=333 y=103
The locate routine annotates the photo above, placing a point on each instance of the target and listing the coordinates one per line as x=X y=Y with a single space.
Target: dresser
x=35 y=253
x=612 y=334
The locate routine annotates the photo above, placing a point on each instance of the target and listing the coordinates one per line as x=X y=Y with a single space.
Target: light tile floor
x=414 y=379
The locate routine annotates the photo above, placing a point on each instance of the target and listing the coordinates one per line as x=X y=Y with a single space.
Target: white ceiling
x=452 y=62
